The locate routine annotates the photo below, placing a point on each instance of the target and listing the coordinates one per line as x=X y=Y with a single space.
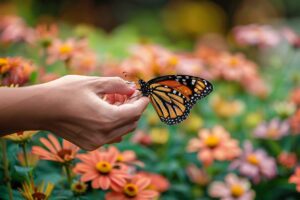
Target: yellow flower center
x=237 y=190
x=79 y=187
x=252 y=159
x=120 y=158
x=65 y=49
x=103 y=167
x=3 y=61
x=234 y=62
x=212 y=141
x=173 y=61
x=130 y=190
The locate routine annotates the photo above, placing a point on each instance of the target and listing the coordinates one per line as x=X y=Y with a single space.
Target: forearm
x=23 y=108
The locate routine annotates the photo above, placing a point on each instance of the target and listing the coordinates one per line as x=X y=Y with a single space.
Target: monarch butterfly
x=173 y=96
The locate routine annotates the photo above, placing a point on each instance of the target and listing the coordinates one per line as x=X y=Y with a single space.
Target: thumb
x=115 y=85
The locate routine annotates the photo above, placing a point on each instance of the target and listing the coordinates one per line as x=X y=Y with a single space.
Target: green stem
x=68 y=172
x=23 y=145
x=6 y=170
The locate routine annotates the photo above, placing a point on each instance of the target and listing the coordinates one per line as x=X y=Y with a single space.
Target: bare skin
x=71 y=107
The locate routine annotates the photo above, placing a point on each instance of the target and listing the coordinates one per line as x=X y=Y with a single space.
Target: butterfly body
x=173 y=96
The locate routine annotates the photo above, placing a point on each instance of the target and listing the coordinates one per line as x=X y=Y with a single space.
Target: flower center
x=38 y=196
x=234 y=62
x=65 y=49
x=120 y=158
x=237 y=190
x=252 y=159
x=3 y=61
x=64 y=152
x=104 y=167
x=130 y=190
x=173 y=61
x=212 y=141
x=272 y=132
x=79 y=187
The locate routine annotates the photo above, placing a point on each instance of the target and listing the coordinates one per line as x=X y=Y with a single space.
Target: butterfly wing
x=173 y=96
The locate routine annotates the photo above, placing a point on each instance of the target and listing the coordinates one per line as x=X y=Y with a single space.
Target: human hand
x=77 y=113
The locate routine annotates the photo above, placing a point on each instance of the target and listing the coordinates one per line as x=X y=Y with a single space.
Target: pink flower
x=99 y=167
x=255 y=164
x=291 y=36
x=295 y=178
x=158 y=182
x=83 y=63
x=197 y=175
x=234 y=67
x=54 y=151
x=256 y=35
x=65 y=50
x=140 y=137
x=275 y=129
x=14 y=29
x=214 y=144
x=126 y=157
x=135 y=188
x=234 y=188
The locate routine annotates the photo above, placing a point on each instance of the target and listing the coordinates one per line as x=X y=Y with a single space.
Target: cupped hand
x=79 y=114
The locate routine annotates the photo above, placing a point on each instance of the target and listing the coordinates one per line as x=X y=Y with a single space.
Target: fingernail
x=131 y=84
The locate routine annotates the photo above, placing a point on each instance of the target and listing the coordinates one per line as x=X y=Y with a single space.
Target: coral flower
x=255 y=164
x=234 y=188
x=15 y=71
x=140 y=137
x=21 y=136
x=45 y=34
x=288 y=160
x=83 y=63
x=294 y=122
x=158 y=182
x=197 y=175
x=295 y=96
x=54 y=151
x=127 y=157
x=135 y=188
x=65 y=50
x=234 y=67
x=295 y=178
x=214 y=144
x=31 y=192
x=275 y=129
x=100 y=167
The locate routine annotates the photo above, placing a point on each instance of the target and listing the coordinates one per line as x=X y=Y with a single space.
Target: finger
x=116 y=140
x=114 y=85
x=119 y=132
x=133 y=109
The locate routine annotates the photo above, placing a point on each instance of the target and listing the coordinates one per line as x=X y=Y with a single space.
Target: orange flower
x=135 y=188
x=15 y=71
x=214 y=144
x=83 y=63
x=100 y=167
x=54 y=151
x=158 y=182
x=295 y=178
x=126 y=157
x=288 y=160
